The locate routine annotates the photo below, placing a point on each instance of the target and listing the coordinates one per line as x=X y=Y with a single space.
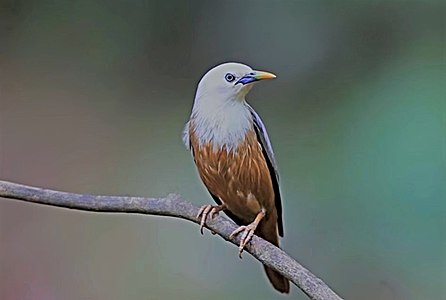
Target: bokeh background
x=94 y=95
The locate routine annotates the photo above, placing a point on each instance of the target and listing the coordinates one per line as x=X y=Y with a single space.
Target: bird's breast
x=238 y=176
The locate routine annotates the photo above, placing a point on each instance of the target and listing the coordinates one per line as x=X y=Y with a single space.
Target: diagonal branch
x=175 y=206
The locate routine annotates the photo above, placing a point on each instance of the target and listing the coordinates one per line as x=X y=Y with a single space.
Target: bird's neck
x=223 y=125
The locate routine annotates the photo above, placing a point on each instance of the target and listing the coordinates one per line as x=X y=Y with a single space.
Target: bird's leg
x=211 y=210
x=248 y=231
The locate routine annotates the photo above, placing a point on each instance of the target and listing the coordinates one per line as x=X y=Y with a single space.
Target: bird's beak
x=255 y=76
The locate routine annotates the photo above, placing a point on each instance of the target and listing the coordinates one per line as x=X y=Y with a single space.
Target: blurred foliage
x=93 y=97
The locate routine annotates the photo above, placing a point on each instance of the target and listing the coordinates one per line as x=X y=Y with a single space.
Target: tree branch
x=175 y=206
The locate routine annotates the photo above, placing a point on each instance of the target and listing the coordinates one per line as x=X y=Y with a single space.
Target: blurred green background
x=94 y=95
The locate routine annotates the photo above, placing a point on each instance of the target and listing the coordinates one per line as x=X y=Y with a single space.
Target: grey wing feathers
x=264 y=139
x=185 y=136
x=268 y=153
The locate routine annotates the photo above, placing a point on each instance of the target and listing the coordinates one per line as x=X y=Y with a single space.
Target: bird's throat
x=222 y=127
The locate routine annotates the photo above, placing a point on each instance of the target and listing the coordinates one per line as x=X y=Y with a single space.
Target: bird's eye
x=229 y=77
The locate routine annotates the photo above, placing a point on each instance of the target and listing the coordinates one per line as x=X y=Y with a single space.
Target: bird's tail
x=279 y=282
x=268 y=231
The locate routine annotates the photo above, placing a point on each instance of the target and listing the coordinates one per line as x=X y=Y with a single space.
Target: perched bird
x=234 y=157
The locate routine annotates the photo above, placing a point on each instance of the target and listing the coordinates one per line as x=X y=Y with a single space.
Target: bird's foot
x=248 y=232
x=210 y=210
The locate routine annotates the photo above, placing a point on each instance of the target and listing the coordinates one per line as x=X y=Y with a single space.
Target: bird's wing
x=268 y=153
x=185 y=136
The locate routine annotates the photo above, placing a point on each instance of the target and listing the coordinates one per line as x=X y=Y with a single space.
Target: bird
x=234 y=157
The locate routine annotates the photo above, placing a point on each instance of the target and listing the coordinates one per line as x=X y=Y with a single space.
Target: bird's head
x=229 y=82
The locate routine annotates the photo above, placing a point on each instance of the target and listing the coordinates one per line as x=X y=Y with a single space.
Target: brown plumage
x=234 y=157
x=241 y=180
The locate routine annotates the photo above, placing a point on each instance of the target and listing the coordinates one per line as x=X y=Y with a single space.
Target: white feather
x=223 y=125
x=220 y=115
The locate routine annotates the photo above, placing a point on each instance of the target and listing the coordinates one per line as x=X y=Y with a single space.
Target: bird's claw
x=210 y=210
x=203 y=212
x=248 y=232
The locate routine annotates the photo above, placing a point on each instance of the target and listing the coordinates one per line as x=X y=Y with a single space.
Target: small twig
x=175 y=206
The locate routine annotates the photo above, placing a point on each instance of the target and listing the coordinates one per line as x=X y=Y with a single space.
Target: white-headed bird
x=234 y=157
